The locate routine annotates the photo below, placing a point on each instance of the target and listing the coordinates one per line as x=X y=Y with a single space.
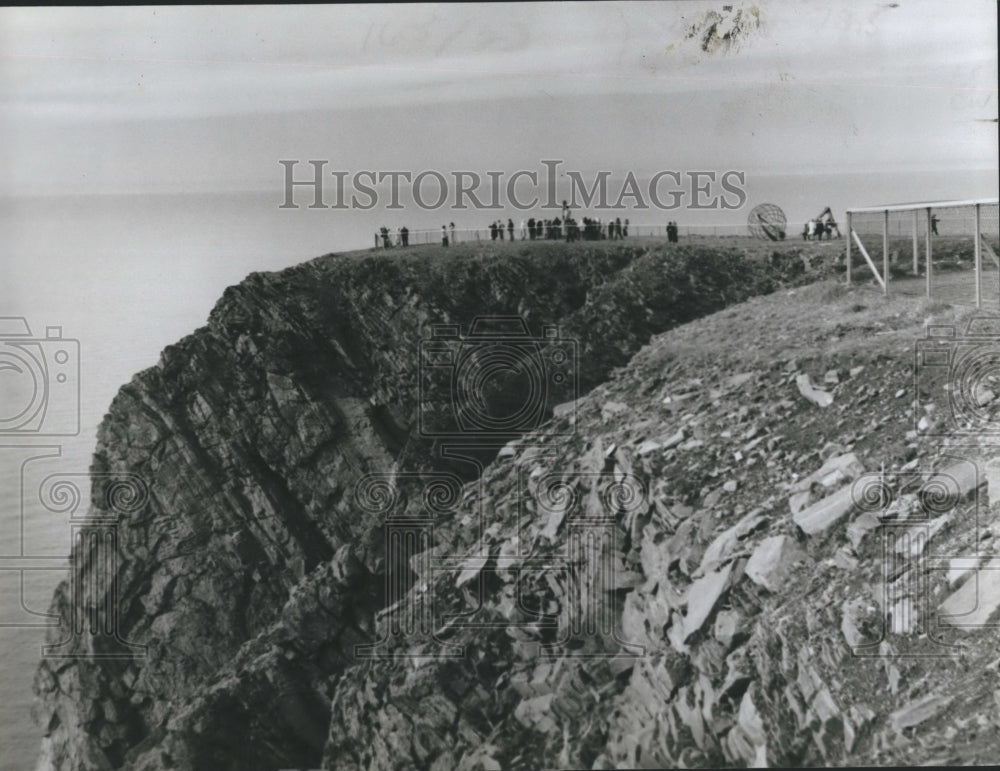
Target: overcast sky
x=210 y=98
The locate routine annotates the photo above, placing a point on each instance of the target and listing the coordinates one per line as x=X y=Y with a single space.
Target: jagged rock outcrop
x=245 y=570
x=666 y=642
x=686 y=566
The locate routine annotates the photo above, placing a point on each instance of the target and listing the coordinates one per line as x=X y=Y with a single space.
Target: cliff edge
x=353 y=537
x=244 y=572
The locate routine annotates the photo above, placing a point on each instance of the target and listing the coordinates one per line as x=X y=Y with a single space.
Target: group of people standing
x=401 y=238
x=616 y=228
x=557 y=228
x=497 y=228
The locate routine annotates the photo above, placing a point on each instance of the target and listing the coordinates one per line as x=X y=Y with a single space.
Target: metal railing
x=432 y=236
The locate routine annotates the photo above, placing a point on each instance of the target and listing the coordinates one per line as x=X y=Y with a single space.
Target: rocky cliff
x=787 y=574
x=325 y=561
x=242 y=541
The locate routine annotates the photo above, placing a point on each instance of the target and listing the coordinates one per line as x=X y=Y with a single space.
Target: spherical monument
x=767 y=221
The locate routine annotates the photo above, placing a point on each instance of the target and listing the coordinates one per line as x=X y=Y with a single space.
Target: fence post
x=979 y=263
x=848 y=248
x=916 y=246
x=885 y=252
x=928 y=250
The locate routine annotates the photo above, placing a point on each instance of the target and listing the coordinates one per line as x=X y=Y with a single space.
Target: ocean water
x=122 y=276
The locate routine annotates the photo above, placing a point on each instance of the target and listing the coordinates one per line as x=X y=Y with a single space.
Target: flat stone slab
x=702 y=597
x=839 y=467
x=973 y=603
x=729 y=541
x=918 y=711
x=824 y=514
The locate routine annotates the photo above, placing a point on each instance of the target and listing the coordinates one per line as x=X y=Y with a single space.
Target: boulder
x=817 y=396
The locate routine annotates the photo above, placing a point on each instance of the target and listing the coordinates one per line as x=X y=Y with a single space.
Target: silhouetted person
x=451 y=229
x=385 y=237
x=444 y=236
x=510 y=229
x=404 y=234
x=531 y=228
x=618 y=227
x=493 y=231
x=625 y=228
x=500 y=228
x=934 y=222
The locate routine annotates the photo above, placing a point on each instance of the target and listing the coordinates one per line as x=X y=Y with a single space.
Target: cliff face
x=245 y=571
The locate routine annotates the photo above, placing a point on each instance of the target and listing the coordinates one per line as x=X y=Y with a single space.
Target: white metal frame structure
x=927 y=208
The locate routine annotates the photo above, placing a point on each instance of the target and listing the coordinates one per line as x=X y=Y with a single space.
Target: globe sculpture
x=767 y=221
